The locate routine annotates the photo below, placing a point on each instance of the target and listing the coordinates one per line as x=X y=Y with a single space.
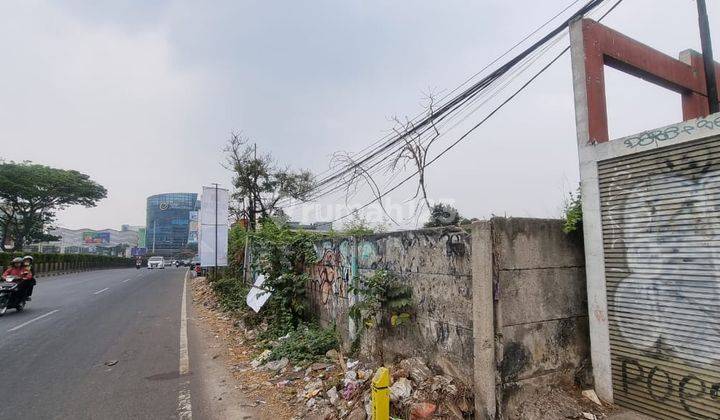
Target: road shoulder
x=216 y=394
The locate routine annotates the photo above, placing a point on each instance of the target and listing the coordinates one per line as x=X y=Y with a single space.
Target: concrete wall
x=435 y=263
x=501 y=306
x=541 y=308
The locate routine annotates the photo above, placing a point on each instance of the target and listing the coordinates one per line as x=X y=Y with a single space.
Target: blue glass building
x=168 y=222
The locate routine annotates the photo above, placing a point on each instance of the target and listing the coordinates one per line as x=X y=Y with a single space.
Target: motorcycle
x=8 y=296
x=138 y=264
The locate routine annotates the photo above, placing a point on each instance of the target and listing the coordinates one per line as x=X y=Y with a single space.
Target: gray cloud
x=142 y=95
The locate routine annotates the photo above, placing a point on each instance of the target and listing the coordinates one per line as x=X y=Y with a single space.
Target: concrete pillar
x=592 y=230
x=483 y=320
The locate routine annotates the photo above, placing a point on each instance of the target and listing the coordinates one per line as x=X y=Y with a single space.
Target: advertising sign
x=193 y=228
x=141 y=238
x=138 y=252
x=96 y=238
x=214 y=213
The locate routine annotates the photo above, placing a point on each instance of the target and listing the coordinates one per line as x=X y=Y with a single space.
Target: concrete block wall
x=435 y=263
x=500 y=305
x=541 y=325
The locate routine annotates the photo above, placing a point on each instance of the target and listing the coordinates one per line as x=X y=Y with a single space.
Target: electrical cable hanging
x=464 y=136
x=465 y=100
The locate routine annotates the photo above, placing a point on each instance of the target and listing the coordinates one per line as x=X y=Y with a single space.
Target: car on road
x=156 y=262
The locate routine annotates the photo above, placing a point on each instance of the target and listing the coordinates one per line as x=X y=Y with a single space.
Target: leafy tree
x=260 y=181
x=31 y=195
x=444 y=215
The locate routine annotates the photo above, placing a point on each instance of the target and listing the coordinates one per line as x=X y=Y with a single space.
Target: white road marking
x=101 y=290
x=184 y=358
x=33 y=320
x=184 y=404
x=126 y=280
x=184 y=400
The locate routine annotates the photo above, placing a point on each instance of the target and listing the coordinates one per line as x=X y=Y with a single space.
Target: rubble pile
x=334 y=387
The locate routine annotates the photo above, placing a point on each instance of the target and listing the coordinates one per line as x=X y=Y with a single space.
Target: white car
x=156 y=262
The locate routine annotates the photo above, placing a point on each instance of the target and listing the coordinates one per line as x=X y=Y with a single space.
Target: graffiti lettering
x=662 y=387
x=658 y=136
x=660 y=226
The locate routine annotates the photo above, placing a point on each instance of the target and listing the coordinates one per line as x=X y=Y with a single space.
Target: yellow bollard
x=381 y=394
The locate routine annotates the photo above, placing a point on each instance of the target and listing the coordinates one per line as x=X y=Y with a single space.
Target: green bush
x=307 y=343
x=573 y=213
x=231 y=292
x=282 y=255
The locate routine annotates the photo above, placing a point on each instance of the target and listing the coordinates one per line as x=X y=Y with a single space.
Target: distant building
x=141 y=248
x=171 y=221
x=88 y=241
x=317 y=226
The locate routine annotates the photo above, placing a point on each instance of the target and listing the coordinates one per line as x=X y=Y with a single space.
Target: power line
x=472 y=129
x=487 y=66
x=459 y=100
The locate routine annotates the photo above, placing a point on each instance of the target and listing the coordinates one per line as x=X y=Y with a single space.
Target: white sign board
x=213 y=235
x=257 y=296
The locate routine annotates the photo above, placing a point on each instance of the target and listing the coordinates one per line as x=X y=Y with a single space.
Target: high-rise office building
x=169 y=219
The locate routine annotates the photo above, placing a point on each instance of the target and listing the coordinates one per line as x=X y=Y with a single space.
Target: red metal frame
x=604 y=46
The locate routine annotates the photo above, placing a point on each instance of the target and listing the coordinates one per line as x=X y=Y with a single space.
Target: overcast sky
x=142 y=95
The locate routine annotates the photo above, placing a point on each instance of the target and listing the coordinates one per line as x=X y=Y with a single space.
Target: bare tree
x=411 y=153
x=260 y=181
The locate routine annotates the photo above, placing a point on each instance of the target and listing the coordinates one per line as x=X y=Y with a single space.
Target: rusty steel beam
x=604 y=46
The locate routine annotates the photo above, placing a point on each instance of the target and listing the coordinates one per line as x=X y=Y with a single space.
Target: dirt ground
x=279 y=395
x=266 y=400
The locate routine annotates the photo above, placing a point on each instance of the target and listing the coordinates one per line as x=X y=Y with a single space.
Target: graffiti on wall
x=662 y=229
x=655 y=137
x=330 y=276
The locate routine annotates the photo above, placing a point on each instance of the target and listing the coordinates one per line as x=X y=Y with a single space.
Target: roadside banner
x=213 y=232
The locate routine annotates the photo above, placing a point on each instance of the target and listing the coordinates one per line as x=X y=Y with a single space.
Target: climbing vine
x=382 y=299
x=281 y=256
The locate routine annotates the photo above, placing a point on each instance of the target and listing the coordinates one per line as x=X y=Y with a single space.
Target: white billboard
x=213 y=226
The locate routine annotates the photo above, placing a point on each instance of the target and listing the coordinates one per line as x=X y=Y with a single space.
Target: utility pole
x=216 y=227
x=253 y=197
x=154 y=226
x=708 y=61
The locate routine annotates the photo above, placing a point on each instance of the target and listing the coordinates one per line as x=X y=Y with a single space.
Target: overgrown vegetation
x=444 y=215
x=237 y=237
x=305 y=344
x=231 y=293
x=382 y=300
x=281 y=255
x=357 y=225
x=572 y=213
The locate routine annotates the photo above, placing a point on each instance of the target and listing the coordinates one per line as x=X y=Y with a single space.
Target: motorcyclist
x=20 y=276
x=16 y=270
x=30 y=280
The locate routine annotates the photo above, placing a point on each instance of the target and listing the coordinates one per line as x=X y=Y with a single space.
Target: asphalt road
x=55 y=356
